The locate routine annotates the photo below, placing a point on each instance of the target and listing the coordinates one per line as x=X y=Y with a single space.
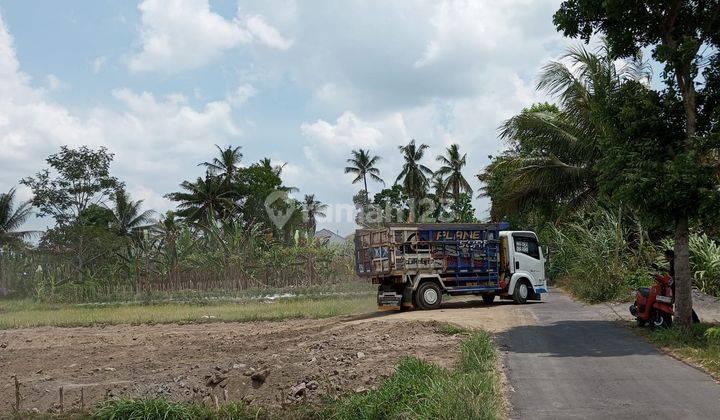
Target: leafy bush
x=601 y=256
x=704 y=261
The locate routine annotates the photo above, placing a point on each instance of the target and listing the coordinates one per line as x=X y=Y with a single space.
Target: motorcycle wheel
x=640 y=322
x=661 y=319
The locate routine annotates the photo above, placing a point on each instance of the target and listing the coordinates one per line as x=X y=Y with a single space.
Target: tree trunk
x=683 y=276
x=365 y=182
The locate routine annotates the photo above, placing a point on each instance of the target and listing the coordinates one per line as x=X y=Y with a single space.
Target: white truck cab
x=525 y=263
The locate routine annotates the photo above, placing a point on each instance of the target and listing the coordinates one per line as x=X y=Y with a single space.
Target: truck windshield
x=527 y=245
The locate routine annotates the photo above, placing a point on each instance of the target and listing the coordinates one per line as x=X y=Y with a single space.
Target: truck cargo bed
x=465 y=256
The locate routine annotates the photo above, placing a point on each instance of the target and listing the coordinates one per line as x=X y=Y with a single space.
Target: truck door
x=527 y=256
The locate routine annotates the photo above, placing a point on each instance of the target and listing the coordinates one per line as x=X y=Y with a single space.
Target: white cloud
x=156 y=141
x=242 y=94
x=266 y=34
x=179 y=35
x=54 y=83
x=98 y=64
x=348 y=132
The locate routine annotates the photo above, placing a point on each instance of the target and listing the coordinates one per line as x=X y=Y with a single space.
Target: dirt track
x=265 y=363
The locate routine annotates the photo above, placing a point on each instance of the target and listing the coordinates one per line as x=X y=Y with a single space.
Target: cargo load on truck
x=415 y=264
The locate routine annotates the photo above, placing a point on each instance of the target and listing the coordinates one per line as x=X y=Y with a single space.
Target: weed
x=452 y=329
x=422 y=390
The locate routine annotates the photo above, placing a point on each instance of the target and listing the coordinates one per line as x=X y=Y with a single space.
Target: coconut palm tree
x=227 y=164
x=555 y=148
x=276 y=169
x=12 y=217
x=127 y=217
x=313 y=209
x=414 y=176
x=362 y=164
x=451 y=171
x=204 y=200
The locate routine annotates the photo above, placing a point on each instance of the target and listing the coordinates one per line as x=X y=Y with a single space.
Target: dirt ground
x=264 y=363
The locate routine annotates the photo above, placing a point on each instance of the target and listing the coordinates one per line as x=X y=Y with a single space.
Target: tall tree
x=127 y=216
x=12 y=217
x=550 y=164
x=204 y=200
x=682 y=34
x=362 y=164
x=313 y=209
x=79 y=178
x=414 y=176
x=451 y=171
x=226 y=164
x=78 y=181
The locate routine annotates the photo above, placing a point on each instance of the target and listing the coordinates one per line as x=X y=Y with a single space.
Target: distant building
x=328 y=237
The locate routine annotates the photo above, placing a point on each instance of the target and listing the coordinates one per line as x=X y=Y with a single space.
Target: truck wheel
x=429 y=296
x=488 y=299
x=521 y=292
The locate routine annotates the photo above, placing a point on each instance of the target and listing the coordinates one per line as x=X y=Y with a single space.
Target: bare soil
x=268 y=364
x=264 y=363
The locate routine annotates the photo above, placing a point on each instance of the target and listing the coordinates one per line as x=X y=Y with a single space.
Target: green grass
x=452 y=329
x=699 y=344
x=159 y=408
x=21 y=314
x=421 y=390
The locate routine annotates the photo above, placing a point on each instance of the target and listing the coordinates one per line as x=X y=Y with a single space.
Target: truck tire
x=429 y=296
x=488 y=299
x=521 y=292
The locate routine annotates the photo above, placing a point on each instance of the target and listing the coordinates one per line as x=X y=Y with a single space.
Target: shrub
x=601 y=255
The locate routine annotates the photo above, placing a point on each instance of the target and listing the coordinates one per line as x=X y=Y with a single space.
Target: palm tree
x=127 y=217
x=204 y=200
x=313 y=209
x=276 y=169
x=555 y=149
x=451 y=171
x=227 y=164
x=11 y=218
x=414 y=175
x=363 y=165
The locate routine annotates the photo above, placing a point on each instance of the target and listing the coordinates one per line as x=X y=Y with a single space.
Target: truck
x=414 y=265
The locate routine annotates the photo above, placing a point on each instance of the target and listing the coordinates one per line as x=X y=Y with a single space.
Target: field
x=331 y=353
x=25 y=314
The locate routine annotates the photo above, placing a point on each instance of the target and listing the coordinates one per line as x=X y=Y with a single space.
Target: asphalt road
x=574 y=364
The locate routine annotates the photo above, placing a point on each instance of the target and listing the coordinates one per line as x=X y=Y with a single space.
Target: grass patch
x=21 y=314
x=422 y=390
x=452 y=329
x=699 y=344
x=159 y=408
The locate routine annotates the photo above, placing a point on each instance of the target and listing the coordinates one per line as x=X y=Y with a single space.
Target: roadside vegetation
x=699 y=344
x=593 y=176
x=420 y=390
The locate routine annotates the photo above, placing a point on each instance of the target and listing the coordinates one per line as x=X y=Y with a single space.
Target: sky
x=160 y=82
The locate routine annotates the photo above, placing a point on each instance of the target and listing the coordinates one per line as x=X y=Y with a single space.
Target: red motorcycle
x=655 y=304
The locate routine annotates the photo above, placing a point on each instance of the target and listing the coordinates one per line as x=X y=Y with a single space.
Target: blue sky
x=303 y=83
